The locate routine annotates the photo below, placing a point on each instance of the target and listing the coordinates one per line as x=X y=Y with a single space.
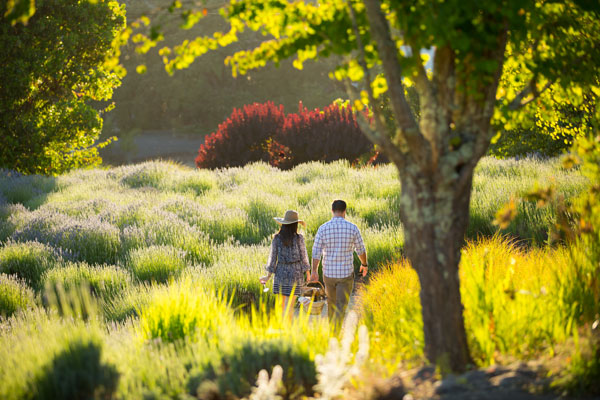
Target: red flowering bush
x=243 y=138
x=262 y=132
x=327 y=135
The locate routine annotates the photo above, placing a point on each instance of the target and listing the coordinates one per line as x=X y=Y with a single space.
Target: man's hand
x=364 y=269
x=314 y=277
x=264 y=279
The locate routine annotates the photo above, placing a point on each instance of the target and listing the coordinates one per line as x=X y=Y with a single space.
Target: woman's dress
x=288 y=263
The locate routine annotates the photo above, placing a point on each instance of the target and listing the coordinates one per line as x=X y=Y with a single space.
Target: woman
x=288 y=259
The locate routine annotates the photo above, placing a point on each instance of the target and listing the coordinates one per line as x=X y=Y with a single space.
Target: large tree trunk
x=435 y=217
x=436 y=156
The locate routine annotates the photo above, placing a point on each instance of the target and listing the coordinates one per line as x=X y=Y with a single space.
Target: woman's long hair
x=287 y=233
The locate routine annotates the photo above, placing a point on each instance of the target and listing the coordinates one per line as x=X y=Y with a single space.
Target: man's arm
x=361 y=251
x=317 y=250
x=314 y=276
x=364 y=268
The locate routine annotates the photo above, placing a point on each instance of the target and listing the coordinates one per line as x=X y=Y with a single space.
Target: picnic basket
x=318 y=297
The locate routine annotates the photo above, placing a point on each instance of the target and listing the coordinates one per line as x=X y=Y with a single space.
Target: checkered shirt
x=336 y=240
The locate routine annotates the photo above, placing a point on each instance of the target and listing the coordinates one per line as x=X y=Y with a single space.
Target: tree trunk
x=435 y=218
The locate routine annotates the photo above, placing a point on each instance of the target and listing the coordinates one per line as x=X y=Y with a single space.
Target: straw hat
x=290 y=217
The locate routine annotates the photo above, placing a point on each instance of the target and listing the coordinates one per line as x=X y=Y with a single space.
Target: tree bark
x=435 y=220
x=437 y=175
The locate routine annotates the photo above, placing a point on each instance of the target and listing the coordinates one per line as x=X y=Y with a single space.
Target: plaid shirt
x=335 y=241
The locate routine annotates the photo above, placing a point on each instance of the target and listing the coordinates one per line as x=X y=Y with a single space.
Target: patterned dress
x=288 y=263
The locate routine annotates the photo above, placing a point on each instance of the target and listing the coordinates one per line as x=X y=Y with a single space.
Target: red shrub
x=315 y=135
x=243 y=138
x=262 y=132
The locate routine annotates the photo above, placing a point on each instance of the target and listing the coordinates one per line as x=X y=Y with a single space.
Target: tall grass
x=513 y=300
x=184 y=311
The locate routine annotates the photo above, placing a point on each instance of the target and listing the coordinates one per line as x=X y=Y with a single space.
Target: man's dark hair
x=338 y=205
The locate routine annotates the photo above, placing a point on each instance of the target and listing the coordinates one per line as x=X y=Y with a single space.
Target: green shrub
x=104 y=281
x=89 y=239
x=54 y=358
x=11 y=215
x=236 y=271
x=235 y=372
x=183 y=311
x=14 y=295
x=126 y=304
x=219 y=222
x=27 y=260
x=156 y=263
x=197 y=182
x=392 y=312
x=261 y=212
x=384 y=244
x=77 y=372
x=148 y=174
x=170 y=231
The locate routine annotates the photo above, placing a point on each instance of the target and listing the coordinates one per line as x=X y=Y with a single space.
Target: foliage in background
x=263 y=132
x=522 y=143
x=53 y=68
x=551 y=136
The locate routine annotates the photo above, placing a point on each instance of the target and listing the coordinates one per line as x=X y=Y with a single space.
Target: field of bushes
x=142 y=281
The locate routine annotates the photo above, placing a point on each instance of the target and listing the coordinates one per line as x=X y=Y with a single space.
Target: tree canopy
x=53 y=68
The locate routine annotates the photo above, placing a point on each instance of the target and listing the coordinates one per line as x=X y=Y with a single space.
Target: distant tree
x=52 y=69
x=495 y=62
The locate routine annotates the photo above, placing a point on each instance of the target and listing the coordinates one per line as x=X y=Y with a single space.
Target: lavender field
x=142 y=281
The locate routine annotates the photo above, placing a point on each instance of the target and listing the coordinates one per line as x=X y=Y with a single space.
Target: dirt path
x=152 y=145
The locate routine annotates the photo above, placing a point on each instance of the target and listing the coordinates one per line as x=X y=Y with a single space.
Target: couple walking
x=335 y=242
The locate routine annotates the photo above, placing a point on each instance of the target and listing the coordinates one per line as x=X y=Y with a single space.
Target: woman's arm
x=304 y=253
x=272 y=261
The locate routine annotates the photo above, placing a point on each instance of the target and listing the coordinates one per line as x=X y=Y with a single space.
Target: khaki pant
x=338 y=292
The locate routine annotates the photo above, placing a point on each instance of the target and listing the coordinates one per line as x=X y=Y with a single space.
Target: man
x=336 y=241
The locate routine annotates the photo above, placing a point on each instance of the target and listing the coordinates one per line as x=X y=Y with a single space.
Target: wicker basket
x=315 y=306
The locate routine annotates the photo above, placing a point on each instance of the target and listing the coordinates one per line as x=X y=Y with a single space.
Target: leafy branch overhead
x=550 y=57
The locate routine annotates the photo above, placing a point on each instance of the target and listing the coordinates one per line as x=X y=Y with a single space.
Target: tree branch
x=518 y=103
x=483 y=115
x=377 y=136
x=388 y=53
